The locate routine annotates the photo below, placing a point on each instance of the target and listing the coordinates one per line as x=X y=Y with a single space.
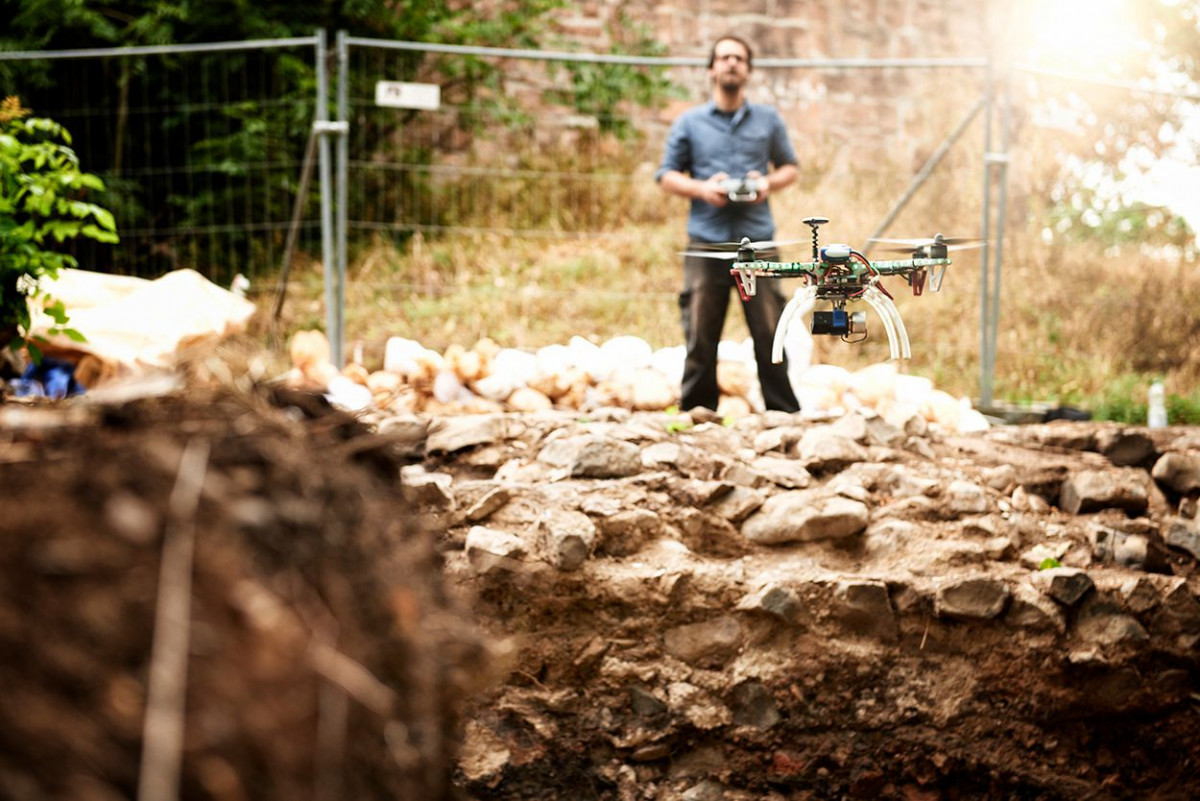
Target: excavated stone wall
x=849 y=608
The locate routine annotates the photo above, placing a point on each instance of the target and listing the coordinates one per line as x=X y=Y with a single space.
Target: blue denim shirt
x=703 y=142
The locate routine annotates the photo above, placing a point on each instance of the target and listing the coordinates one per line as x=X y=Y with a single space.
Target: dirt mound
x=324 y=658
x=775 y=609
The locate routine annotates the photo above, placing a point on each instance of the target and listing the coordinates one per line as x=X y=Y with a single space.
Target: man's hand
x=713 y=190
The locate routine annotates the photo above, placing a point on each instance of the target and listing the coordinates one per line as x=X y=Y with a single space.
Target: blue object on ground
x=51 y=378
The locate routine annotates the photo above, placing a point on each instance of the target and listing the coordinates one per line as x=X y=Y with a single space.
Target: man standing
x=728 y=137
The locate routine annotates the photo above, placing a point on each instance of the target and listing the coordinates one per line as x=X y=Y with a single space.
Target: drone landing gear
x=840 y=322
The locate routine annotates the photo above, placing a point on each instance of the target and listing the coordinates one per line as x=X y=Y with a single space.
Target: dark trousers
x=703 y=304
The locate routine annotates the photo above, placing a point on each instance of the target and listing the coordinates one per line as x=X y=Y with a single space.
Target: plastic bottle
x=1157 y=415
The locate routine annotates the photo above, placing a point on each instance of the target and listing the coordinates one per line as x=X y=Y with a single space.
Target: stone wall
x=890 y=109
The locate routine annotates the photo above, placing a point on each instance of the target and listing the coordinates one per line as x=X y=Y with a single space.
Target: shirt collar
x=743 y=110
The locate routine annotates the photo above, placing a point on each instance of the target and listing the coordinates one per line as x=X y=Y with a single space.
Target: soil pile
x=662 y=606
x=324 y=658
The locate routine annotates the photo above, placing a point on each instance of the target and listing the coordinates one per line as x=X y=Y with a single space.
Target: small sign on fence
x=398 y=94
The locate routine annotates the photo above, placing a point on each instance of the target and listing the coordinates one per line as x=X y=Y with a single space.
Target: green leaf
x=1049 y=563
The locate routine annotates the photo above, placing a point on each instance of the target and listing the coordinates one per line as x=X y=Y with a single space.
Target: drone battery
x=839 y=322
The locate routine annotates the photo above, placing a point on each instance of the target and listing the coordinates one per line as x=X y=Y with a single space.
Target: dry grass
x=1079 y=325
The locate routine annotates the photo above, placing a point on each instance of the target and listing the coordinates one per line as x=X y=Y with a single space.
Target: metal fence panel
x=201 y=148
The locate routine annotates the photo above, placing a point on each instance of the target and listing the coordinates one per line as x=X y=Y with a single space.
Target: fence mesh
x=201 y=152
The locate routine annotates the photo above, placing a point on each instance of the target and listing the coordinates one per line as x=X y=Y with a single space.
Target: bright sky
x=1086 y=37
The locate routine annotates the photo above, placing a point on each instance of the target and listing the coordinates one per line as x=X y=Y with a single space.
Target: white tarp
x=135 y=324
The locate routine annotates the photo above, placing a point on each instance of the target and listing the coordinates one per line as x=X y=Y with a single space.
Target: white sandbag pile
x=581 y=375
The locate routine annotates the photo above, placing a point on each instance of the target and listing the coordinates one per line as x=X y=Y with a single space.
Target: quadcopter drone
x=840 y=275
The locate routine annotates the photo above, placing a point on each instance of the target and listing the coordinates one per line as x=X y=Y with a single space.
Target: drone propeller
x=765 y=244
x=727 y=255
x=922 y=248
x=936 y=239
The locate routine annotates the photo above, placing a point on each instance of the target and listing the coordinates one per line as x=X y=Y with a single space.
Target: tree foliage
x=43 y=203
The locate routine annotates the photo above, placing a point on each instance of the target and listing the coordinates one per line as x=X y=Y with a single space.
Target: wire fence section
x=201 y=148
x=500 y=141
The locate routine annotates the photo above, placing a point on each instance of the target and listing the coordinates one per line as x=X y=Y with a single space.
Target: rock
x=450 y=434
x=865 y=608
x=1179 y=472
x=787 y=473
x=489 y=504
x=710 y=643
x=589 y=456
x=1030 y=609
x=1025 y=501
x=804 y=516
x=569 y=537
x=1092 y=490
x=1183 y=534
x=974 y=598
x=754 y=705
x=967 y=498
x=484 y=754
x=627 y=531
x=1178 y=615
x=1125 y=448
x=775 y=600
x=1039 y=554
x=1067 y=585
x=706 y=790
x=644 y=703
x=824 y=450
x=1103 y=622
x=738 y=504
x=1139 y=595
x=490 y=550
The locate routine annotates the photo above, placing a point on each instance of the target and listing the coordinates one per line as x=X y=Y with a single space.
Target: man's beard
x=729 y=82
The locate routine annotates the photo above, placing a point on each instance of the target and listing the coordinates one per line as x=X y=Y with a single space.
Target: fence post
x=343 y=154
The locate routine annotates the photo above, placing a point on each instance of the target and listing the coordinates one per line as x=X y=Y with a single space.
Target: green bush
x=42 y=206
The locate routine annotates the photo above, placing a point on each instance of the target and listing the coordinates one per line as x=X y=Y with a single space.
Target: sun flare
x=1078 y=35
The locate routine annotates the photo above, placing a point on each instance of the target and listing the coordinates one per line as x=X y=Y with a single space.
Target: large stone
x=1067 y=585
x=1093 y=490
x=710 y=643
x=1183 y=534
x=1179 y=472
x=805 y=516
x=569 y=536
x=865 y=608
x=1030 y=609
x=825 y=450
x=974 y=598
x=454 y=433
x=775 y=600
x=490 y=550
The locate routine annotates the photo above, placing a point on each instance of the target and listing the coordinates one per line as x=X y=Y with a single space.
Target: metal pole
x=343 y=150
x=1001 y=160
x=297 y=217
x=985 y=376
x=925 y=172
x=327 y=232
